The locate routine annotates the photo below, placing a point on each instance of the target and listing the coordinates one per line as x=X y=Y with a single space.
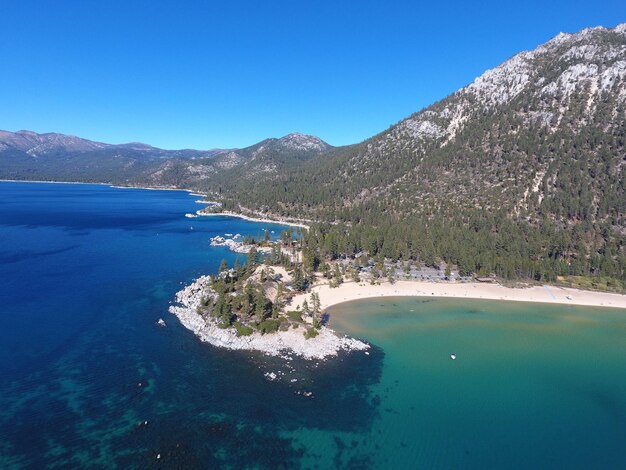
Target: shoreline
x=191 y=192
x=350 y=291
x=110 y=185
x=251 y=219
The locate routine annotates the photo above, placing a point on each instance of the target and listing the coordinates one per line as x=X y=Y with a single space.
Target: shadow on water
x=13 y=257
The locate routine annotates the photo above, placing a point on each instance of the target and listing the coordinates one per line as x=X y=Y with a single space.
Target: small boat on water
x=453 y=356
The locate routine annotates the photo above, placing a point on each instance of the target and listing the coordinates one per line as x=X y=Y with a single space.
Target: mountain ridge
x=29 y=141
x=21 y=138
x=29 y=155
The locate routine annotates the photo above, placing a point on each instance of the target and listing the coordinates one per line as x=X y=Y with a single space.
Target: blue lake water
x=87 y=270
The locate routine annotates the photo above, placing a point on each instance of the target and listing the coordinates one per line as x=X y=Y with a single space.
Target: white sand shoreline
x=251 y=219
x=350 y=291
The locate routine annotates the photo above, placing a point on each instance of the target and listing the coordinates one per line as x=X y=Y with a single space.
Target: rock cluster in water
x=231 y=243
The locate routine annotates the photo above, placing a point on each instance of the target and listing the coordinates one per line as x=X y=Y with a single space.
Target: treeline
x=480 y=244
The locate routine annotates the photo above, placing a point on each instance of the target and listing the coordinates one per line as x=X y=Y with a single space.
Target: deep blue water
x=85 y=272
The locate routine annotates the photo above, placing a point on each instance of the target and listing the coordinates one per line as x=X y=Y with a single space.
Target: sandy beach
x=471 y=290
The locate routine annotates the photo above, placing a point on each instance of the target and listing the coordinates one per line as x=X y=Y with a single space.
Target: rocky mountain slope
x=522 y=172
x=37 y=145
x=512 y=139
x=266 y=158
x=53 y=144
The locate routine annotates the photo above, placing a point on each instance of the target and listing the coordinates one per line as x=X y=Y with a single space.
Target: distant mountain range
x=52 y=156
x=53 y=144
x=526 y=166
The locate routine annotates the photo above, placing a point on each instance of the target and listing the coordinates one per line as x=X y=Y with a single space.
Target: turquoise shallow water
x=86 y=271
x=533 y=385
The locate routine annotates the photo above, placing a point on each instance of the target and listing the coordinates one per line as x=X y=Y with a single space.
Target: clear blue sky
x=205 y=74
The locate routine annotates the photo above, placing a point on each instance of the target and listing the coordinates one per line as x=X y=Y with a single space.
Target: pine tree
x=316 y=304
x=298 y=279
x=223 y=266
x=337 y=275
x=252 y=259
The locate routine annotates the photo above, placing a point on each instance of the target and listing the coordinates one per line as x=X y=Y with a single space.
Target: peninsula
x=276 y=302
x=248 y=307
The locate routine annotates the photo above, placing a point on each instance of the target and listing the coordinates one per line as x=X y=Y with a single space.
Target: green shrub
x=269 y=326
x=294 y=315
x=243 y=330
x=311 y=333
x=603 y=283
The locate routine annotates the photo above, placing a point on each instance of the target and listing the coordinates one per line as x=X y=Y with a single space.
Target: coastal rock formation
x=324 y=345
x=230 y=243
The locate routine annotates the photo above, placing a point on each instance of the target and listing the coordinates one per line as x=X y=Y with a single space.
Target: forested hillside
x=520 y=173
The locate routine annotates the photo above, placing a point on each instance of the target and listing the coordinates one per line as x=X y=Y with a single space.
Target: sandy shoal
x=471 y=290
